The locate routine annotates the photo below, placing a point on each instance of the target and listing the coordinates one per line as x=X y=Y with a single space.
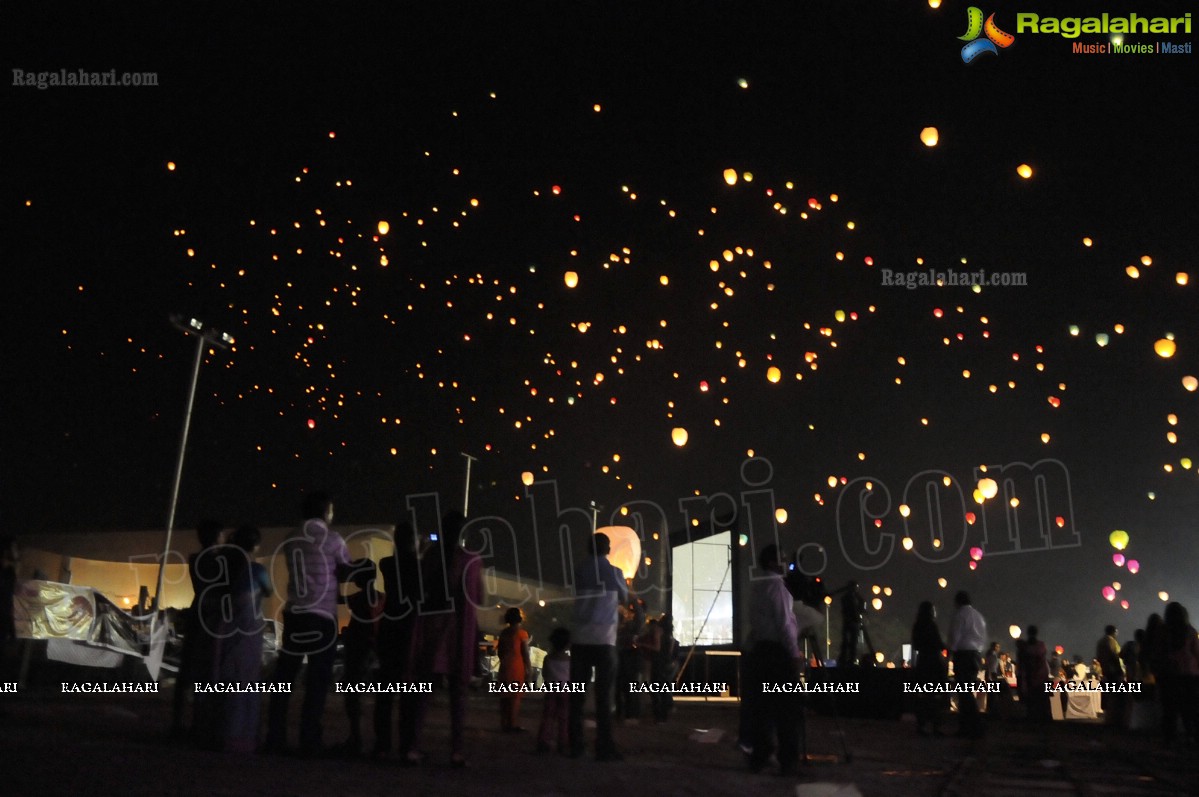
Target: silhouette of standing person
x=967 y=638
x=444 y=643
x=599 y=589
x=853 y=623
x=773 y=658
x=1180 y=674
x=239 y=643
x=9 y=557
x=198 y=634
x=401 y=594
x=316 y=558
x=359 y=643
x=930 y=668
x=1032 y=676
x=515 y=669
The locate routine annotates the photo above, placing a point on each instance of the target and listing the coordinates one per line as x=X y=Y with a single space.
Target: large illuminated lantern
x=626 y=548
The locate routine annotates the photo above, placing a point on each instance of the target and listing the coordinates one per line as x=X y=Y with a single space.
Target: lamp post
x=205 y=337
x=466 y=490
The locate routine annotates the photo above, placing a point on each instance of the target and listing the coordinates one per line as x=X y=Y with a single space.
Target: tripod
x=803 y=713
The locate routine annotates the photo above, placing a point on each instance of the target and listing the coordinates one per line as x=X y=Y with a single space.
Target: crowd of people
x=421 y=628
x=1151 y=679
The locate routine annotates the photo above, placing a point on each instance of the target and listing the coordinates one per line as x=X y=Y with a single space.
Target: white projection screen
x=703 y=589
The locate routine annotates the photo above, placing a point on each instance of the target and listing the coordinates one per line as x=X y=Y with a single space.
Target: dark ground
x=118 y=745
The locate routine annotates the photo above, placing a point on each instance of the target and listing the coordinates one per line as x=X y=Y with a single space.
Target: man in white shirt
x=599 y=589
x=773 y=658
x=967 y=638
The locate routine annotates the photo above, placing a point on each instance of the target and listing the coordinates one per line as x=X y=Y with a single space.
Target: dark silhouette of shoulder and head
x=768 y=559
x=317 y=505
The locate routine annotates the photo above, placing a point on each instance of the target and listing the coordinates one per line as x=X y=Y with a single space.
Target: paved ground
x=72 y=744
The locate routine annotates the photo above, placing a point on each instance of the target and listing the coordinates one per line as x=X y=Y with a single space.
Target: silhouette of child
x=556 y=706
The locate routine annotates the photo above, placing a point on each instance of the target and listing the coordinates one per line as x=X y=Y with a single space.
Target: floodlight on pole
x=205 y=337
x=595 y=510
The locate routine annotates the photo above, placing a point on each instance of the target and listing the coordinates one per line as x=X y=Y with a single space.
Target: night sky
x=508 y=144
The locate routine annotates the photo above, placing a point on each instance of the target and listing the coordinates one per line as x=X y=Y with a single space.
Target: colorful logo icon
x=975 y=27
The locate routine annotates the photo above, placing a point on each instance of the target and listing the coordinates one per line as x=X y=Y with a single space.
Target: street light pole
x=204 y=338
x=466 y=491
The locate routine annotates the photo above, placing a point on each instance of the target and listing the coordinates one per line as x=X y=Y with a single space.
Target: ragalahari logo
x=975 y=27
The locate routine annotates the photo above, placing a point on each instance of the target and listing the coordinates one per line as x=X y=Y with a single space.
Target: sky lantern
x=730 y=176
x=311 y=423
x=780 y=515
x=976 y=553
x=1102 y=339
x=934 y=3
x=973 y=565
x=170 y=166
x=1013 y=631
x=1190 y=383
x=384 y=228
x=1123 y=604
x=877 y=603
x=904 y=510
x=1024 y=170
x=679 y=435
x=1182 y=278
x=1118 y=539
x=1118 y=559
x=1074 y=330
x=908 y=543
x=1133 y=566
x=942 y=583
x=988 y=487
x=1109 y=593
x=526 y=478
x=626 y=548
x=1163 y=596
x=742 y=83
x=571 y=278
x=773 y=374
x=929 y=136
x=1165 y=348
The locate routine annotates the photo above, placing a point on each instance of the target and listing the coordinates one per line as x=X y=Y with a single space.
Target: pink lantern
x=973 y=565
x=1109 y=593
x=1133 y=565
x=1123 y=604
x=1118 y=559
x=976 y=553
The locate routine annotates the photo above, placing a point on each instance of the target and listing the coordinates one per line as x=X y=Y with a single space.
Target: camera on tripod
x=808 y=590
